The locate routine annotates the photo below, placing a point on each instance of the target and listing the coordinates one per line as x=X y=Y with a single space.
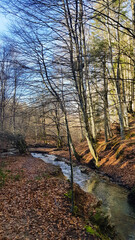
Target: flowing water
x=114 y=197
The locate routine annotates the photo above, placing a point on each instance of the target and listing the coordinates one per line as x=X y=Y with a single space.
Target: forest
x=67 y=89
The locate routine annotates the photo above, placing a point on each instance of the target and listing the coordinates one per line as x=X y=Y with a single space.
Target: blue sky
x=4 y=21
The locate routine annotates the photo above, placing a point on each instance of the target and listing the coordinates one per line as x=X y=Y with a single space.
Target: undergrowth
x=3 y=177
x=6 y=175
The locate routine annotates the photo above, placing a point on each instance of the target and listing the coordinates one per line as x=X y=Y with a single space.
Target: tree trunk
x=118 y=80
x=81 y=124
x=133 y=81
x=91 y=114
x=69 y=140
x=78 y=78
x=14 y=104
x=44 y=126
x=125 y=112
x=106 y=118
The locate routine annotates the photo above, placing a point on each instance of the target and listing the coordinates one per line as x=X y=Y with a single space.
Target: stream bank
x=114 y=197
x=34 y=203
x=108 y=171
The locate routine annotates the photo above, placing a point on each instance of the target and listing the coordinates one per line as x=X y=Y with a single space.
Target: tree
x=65 y=42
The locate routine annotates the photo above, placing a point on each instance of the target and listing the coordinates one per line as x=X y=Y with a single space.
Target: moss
x=102 y=221
x=96 y=232
x=68 y=194
x=75 y=211
x=91 y=231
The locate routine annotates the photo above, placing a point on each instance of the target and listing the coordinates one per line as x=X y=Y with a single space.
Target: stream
x=114 y=197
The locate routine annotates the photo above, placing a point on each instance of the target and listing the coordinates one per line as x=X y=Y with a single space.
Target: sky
x=4 y=22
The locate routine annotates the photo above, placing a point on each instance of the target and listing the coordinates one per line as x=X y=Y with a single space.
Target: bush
x=20 y=143
x=9 y=140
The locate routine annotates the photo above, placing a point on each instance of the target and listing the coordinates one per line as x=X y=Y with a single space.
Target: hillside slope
x=117 y=157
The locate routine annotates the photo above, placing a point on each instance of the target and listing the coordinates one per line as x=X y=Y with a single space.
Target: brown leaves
x=34 y=207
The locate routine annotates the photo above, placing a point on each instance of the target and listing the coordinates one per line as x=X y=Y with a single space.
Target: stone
x=131 y=196
x=84 y=170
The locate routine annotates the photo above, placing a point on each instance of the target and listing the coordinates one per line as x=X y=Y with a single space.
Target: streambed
x=114 y=197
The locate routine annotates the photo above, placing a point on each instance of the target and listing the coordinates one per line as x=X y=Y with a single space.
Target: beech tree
x=65 y=42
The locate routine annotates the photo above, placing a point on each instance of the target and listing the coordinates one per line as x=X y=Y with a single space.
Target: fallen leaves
x=37 y=209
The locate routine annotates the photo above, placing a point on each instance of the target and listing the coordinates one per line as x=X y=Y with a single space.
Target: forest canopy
x=67 y=68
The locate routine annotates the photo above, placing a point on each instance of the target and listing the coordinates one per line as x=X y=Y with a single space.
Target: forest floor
x=117 y=157
x=34 y=196
x=34 y=203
